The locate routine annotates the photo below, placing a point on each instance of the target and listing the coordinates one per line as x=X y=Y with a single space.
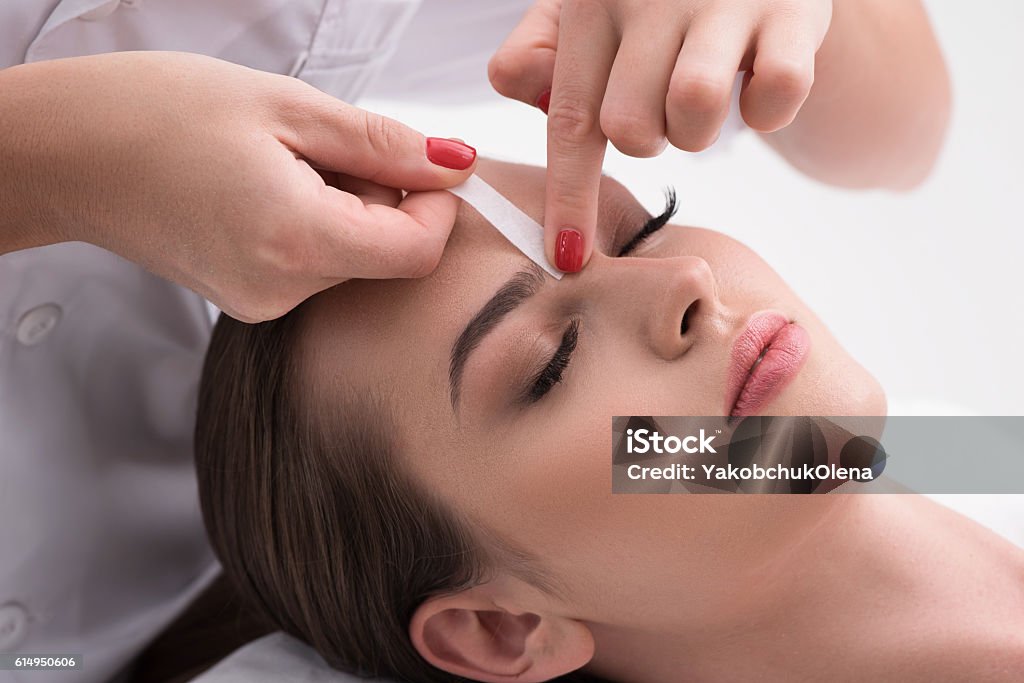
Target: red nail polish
x=450 y=153
x=544 y=101
x=569 y=250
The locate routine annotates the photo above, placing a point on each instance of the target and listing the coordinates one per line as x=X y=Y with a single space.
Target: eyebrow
x=512 y=294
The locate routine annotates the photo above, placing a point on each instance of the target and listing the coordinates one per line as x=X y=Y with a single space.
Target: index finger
x=587 y=45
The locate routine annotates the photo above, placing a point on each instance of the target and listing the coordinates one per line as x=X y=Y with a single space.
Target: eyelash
x=552 y=373
x=655 y=224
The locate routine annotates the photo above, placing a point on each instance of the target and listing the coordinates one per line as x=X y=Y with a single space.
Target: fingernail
x=450 y=153
x=544 y=101
x=569 y=250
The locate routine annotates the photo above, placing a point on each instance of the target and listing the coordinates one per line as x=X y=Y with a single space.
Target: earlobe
x=466 y=634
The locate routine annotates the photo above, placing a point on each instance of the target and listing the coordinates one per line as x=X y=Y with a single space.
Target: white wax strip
x=525 y=234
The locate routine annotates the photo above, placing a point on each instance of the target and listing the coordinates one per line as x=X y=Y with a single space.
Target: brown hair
x=308 y=509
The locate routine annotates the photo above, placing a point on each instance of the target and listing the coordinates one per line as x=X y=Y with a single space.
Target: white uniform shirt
x=101 y=539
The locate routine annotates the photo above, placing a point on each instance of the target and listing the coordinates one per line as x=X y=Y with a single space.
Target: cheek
x=622 y=556
x=744 y=280
x=555 y=502
x=624 y=377
x=545 y=484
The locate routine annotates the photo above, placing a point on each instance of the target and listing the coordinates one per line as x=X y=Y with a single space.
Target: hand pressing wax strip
x=523 y=232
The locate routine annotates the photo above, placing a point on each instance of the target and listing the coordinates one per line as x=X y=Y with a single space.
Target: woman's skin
x=653 y=588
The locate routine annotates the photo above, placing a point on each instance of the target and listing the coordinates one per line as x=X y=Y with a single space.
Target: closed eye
x=653 y=225
x=552 y=372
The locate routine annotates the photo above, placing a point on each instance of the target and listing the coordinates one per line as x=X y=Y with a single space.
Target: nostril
x=685 y=324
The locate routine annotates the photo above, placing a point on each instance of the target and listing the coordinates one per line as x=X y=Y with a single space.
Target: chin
x=853 y=392
x=863 y=395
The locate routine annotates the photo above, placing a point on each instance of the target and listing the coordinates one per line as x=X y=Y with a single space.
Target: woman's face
x=533 y=461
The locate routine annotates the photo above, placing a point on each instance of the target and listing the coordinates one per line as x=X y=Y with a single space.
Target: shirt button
x=101 y=11
x=36 y=323
x=13 y=624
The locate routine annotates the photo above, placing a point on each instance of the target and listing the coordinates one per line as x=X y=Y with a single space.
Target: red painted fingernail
x=450 y=153
x=544 y=100
x=569 y=250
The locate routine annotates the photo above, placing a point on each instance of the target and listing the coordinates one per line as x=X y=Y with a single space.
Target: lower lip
x=786 y=354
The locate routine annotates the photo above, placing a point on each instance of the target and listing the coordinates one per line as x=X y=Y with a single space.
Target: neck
x=898 y=585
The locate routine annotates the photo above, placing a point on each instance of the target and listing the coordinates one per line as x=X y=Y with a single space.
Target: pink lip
x=787 y=346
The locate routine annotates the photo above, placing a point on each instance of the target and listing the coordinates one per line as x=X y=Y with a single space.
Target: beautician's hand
x=644 y=73
x=253 y=189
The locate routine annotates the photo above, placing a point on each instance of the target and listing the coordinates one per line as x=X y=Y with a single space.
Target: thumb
x=524 y=66
x=373 y=241
x=335 y=136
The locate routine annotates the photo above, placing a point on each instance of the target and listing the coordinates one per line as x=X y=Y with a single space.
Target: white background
x=926 y=288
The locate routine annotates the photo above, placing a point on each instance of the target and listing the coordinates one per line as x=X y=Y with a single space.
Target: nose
x=667 y=301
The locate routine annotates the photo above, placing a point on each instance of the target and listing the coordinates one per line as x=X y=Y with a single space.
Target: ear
x=469 y=635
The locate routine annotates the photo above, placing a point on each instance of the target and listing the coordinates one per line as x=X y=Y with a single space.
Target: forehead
x=395 y=336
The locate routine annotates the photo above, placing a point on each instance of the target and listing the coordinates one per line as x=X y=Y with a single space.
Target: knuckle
x=569 y=119
x=291 y=94
x=292 y=87
x=294 y=104
x=573 y=200
x=505 y=71
x=692 y=139
x=632 y=133
x=696 y=93
x=787 y=78
x=381 y=134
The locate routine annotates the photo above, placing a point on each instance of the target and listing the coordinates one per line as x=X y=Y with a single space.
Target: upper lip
x=749 y=348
